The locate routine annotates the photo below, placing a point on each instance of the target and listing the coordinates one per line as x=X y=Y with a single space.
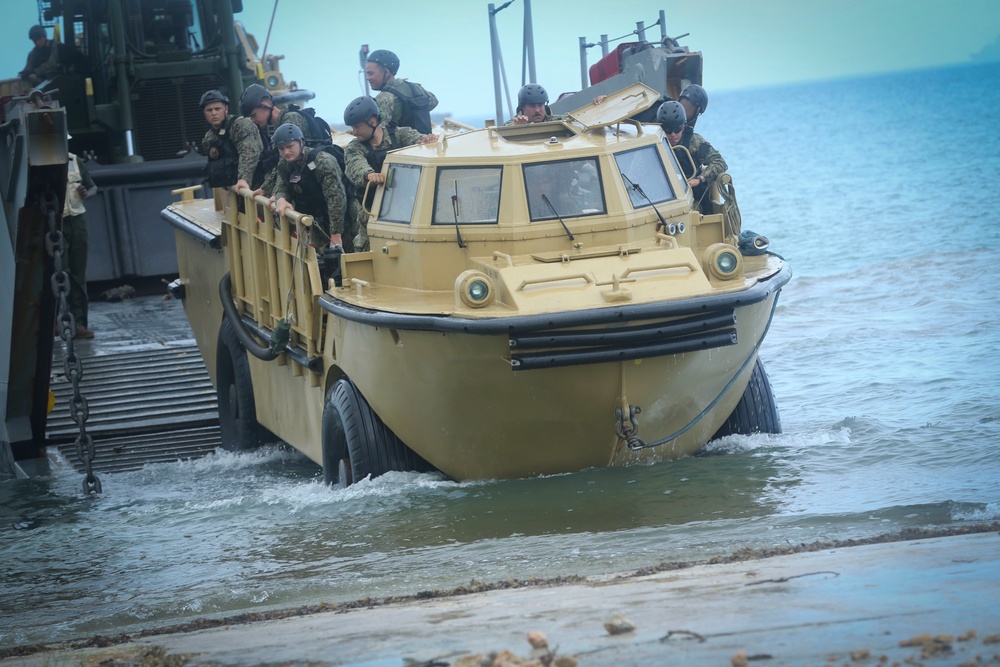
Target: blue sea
x=884 y=356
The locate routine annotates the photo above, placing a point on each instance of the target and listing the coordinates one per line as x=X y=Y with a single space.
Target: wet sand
x=883 y=602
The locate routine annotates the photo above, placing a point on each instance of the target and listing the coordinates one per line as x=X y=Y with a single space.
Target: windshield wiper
x=662 y=224
x=454 y=211
x=568 y=233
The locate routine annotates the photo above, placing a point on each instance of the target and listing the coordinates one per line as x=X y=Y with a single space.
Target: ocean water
x=883 y=356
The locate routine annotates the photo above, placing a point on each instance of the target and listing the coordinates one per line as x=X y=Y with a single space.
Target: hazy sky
x=444 y=44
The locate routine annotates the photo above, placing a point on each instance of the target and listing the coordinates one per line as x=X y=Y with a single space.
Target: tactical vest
x=223 y=158
x=319 y=129
x=377 y=157
x=416 y=106
x=307 y=192
x=268 y=159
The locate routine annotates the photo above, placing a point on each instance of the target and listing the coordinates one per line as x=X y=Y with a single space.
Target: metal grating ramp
x=145 y=407
x=150 y=397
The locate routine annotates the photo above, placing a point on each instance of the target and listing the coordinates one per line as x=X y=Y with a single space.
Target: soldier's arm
x=86 y=180
x=356 y=164
x=280 y=183
x=328 y=171
x=270 y=182
x=246 y=136
x=388 y=110
x=407 y=136
x=51 y=65
x=714 y=165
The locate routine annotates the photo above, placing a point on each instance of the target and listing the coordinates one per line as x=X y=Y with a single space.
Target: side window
x=564 y=189
x=673 y=160
x=467 y=195
x=643 y=174
x=400 y=193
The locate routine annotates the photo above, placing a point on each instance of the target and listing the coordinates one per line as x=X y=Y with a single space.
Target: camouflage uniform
x=708 y=160
x=361 y=158
x=390 y=106
x=312 y=184
x=43 y=62
x=286 y=116
x=245 y=137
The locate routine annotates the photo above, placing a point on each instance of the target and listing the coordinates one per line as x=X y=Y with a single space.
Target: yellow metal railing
x=273 y=268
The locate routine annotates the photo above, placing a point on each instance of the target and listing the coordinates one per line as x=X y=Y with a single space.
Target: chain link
x=55 y=245
x=627 y=429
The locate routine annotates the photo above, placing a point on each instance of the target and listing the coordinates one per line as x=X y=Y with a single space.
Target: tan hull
x=456 y=402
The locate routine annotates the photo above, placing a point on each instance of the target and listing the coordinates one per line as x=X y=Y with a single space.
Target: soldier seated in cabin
x=533 y=106
x=310 y=180
x=232 y=144
x=364 y=156
x=401 y=103
x=708 y=162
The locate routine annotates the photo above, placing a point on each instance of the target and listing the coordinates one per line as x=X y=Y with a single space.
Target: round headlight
x=272 y=81
x=478 y=290
x=474 y=289
x=723 y=261
x=726 y=261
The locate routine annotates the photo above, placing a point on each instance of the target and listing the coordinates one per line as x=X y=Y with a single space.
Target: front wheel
x=356 y=444
x=756 y=412
x=237 y=409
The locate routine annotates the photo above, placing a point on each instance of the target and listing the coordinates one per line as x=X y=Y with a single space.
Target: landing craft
x=130 y=78
x=127 y=88
x=538 y=299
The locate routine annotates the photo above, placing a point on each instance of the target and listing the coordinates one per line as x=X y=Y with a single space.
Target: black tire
x=756 y=412
x=237 y=410
x=357 y=444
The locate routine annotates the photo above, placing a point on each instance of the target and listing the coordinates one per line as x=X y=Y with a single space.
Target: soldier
x=694 y=99
x=708 y=162
x=533 y=106
x=43 y=60
x=309 y=179
x=400 y=102
x=232 y=144
x=79 y=186
x=364 y=156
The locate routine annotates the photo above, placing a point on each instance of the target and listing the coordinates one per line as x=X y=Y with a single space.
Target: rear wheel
x=237 y=410
x=356 y=444
x=756 y=412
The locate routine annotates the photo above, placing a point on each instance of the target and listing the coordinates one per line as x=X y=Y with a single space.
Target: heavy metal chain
x=627 y=427
x=55 y=245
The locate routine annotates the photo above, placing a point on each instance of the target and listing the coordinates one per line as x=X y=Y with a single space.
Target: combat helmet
x=697 y=95
x=671 y=116
x=386 y=59
x=36 y=32
x=532 y=94
x=360 y=110
x=286 y=134
x=213 y=96
x=252 y=98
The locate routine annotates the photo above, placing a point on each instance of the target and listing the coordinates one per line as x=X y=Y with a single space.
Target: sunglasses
x=678 y=131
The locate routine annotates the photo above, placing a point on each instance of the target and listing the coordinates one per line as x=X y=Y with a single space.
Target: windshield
x=564 y=189
x=400 y=193
x=467 y=195
x=644 y=176
x=673 y=161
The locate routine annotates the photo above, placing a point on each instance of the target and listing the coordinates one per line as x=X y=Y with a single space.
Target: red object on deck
x=610 y=65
